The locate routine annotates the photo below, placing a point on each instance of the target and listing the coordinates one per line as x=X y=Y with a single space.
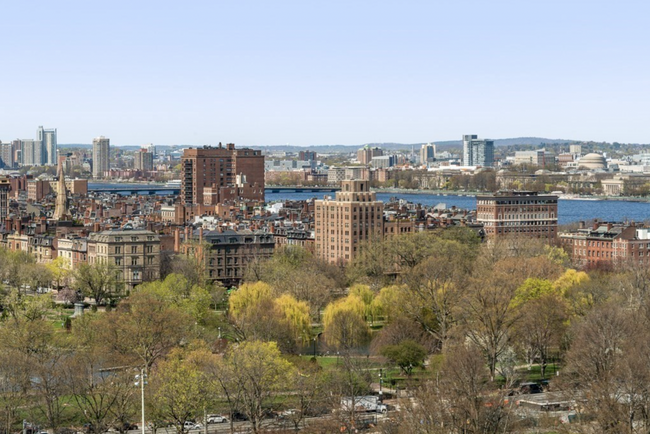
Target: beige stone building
x=355 y=215
x=135 y=254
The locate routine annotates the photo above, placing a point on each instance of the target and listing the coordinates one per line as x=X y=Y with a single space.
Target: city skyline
x=336 y=73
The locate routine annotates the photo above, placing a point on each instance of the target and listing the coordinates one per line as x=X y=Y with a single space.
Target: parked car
x=216 y=418
x=189 y=425
x=530 y=388
x=289 y=414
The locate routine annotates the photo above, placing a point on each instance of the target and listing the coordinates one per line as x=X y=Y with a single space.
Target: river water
x=569 y=210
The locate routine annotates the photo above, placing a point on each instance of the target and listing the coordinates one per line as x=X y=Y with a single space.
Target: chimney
x=609 y=227
x=177 y=240
x=187 y=234
x=581 y=225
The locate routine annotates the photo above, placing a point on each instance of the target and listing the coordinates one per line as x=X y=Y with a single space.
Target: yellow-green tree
x=180 y=390
x=296 y=314
x=388 y=302
x=255 y=313
x=248 y=295
x=344 y=324
x=367 y=296
x=60 y=270
x=179 y=291
x=532 y=289
x=576 y=287
x=259 y=372
x=570 y=279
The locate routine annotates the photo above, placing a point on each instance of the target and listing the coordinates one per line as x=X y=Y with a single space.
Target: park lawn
x=535 y=372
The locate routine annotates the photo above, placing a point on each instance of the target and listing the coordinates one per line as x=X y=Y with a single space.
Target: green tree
x=144 y=328
x=98 y=281
x=407 y=355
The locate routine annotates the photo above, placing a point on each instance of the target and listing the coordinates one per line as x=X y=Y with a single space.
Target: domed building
x=593 y=161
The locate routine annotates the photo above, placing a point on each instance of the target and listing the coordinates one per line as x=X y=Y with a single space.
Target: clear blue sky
x=327 y=72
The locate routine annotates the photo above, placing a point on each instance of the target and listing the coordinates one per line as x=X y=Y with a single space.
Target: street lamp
x=141 y=380
x=381 y=381
x=316 y=341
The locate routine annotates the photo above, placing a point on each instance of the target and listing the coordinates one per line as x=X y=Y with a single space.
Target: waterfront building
x=37 y=189
x=477 y=152
x=227 y=172
x=101 y=156
x=522 y=213
x=134 y=254
x=354 y=216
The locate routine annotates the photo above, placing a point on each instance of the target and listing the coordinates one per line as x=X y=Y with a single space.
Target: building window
x=134 y=260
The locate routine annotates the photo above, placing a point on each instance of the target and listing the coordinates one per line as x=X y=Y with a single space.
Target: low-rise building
x=226 y=254
x=135 y=254
x=605 y=244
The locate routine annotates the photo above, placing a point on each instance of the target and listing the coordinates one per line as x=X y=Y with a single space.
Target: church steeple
x=61 y=211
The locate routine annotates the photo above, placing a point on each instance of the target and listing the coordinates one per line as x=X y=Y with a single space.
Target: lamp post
x=141 y=380
x=381 y=381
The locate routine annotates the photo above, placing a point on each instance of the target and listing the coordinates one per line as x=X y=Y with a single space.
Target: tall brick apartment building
x=523 y=213
x=605 y=244
x=341 y=224
x=214 y=174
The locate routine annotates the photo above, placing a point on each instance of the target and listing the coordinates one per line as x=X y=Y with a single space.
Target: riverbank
x=476 y=193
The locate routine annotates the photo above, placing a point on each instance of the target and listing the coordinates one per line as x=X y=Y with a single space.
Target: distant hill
x=442 y=144
x=325 y=149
